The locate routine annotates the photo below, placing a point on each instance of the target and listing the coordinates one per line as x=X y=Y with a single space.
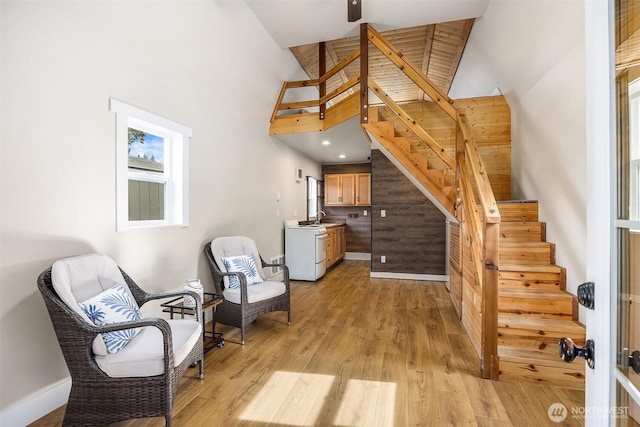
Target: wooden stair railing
x=325 y=118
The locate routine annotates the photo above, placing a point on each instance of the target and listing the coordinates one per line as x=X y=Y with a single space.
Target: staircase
x=417 y=163
x=534 y=310
x=516 y=307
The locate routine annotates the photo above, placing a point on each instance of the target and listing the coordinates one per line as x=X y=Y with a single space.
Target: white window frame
x=176 y=166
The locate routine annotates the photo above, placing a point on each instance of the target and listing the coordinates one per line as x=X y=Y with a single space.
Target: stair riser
x=545 y=345
x=514 y=212
x=538 y=255
x=530 y=280
x=562 y=308
x=572 y=376
x=522 y=232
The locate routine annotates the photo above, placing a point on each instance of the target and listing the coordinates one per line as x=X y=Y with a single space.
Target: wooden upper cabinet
x=339 y=189
x=363 y=189
x=347 y=189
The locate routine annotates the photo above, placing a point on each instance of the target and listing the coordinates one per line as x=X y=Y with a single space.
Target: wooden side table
x=211 y=339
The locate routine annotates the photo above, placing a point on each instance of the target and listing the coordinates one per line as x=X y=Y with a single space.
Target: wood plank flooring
x=359 y=352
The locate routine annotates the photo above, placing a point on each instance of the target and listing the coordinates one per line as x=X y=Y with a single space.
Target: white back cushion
x=222 y=247
x=79 y=278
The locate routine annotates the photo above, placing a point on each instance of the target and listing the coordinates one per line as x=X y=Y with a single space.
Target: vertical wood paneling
x=455 y=267
x=412 y=236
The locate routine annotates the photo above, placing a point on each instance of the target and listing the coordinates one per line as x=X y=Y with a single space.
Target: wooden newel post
x=364 y=74
x=322 y=69
x=490 y=361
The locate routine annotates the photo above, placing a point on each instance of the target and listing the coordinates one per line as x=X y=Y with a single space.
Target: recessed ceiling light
x=325 y=142
x=342 y=156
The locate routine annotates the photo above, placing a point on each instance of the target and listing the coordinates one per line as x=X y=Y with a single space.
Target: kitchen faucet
x=318 y=217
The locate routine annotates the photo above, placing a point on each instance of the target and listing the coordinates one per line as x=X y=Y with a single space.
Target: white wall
x=534 y=51
x=208 y=65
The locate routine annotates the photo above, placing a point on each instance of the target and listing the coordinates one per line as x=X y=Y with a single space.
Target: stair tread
x=524 y=244
x=571 y=327
x=538 y=268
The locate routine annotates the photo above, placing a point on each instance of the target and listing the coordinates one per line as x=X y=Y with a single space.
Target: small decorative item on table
x=210 y=301
x=193 y=285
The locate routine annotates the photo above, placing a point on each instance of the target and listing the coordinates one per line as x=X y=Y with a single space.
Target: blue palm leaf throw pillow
x=112 y=306
x=242 y=264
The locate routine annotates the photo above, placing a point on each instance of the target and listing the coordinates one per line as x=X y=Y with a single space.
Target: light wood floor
x=359 y=352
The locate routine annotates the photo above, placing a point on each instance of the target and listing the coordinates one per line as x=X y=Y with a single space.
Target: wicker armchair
x=245 y=303
x=102 y=390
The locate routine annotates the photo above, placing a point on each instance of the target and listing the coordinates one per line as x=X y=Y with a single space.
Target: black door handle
x=569 y=351
x=586 y=295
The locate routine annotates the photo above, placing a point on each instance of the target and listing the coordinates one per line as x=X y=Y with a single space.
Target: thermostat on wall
x=298 y=174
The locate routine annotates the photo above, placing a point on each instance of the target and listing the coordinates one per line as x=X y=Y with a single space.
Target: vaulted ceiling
x=431 y=33
x=436 y=49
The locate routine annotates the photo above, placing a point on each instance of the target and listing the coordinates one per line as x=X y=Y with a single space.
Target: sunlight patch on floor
x=367 y=403
x=290 y=398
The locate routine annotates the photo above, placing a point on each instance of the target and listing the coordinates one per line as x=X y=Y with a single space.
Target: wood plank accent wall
x=359 y=228
x=412 y=236
x=455 y=267
x=490 y=119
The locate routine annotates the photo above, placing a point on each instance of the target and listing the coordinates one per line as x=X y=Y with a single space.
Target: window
x=634 y=151
x=151 y=169
x=314 y=201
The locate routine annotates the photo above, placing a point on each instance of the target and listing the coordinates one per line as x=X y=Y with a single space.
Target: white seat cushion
x=144 y=355
x=257 y=292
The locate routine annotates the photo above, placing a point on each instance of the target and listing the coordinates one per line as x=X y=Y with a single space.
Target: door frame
x=600 y=126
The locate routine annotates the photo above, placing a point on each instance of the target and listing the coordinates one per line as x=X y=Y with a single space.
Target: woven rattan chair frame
x=96 y=398
x=240 y=315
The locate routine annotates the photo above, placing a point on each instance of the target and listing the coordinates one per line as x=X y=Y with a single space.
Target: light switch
x=383 y=259
x=383 y=213
x=365 y=213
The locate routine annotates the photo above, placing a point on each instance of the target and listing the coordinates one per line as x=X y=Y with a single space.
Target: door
x=363 y=189
x=332 y=190
x=612 y=397
x=348 y=189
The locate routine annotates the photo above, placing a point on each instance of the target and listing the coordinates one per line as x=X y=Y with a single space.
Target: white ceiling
x=296 y=22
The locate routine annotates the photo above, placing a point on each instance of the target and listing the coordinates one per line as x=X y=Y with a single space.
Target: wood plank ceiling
x=436 y=49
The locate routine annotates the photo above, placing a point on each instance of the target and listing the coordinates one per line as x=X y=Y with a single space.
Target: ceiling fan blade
x=354 y=10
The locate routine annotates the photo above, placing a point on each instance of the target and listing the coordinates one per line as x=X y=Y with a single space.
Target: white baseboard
x=407 y=276
x=362 y=256
x=37 y=404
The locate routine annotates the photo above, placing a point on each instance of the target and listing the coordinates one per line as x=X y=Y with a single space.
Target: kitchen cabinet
x=336 y=244
x=348 y=189
x=363 y=189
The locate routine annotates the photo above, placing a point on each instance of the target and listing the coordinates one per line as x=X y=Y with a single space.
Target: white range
x=305 y=250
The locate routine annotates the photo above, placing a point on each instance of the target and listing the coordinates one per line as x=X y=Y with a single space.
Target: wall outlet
x=295 y=212
x=383 y=213
x=365 y=213
x=383 y=259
